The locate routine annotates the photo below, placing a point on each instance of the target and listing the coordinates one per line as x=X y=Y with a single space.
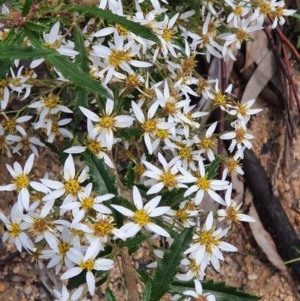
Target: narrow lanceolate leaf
x=73 y=73
x=10 y=52
x=81 y=95
x=212 y=168
x=26 y=7
x=82 y=58
x=133 y=27
x=102 y=178
x=221 y=291
x=109 y=295
x=167 y=267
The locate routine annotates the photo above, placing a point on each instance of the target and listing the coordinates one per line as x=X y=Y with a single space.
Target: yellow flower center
x=207 y=143
x=149 y=126
x=232 y=214
x=132 y=82
x=220 y=99
x=117 y=57
x=51 y=101
x=141 y=217
x=63 y=248
x=169 y=108
x=182 y=215
x=206 y=238
x=9 y=125
x=168 y=179
x=242 y=35
x=185 y=153
x=94 y=146
x=22 y=181
x=14 y=230
x=188 y=65
x=202 y=84
x=238 y=10
x=193 y=267
x=167 y=34
x=88 y=264
x=72 y=187
x=102 y=228
x=265 y=8
x=87 y=203
x=121 y=30
x=231 y=164
x=107 y=122
x=240 y=134
x=15 y=81
x=139 y=169
x=162 y=134
x=40 y=225
x=54 y=45
x=203 y=183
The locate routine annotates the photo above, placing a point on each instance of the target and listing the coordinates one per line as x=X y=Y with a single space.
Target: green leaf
x=76 y=281
x=2 y=1
x=73 y=73
x=34 y=26
x=10 y=52
x=221 y=291
x=103 y=180
x=81 y=95
x=212 y=168
x=26 y=7
x=167 y=267
x=133 y=27
x=109 y=295
x=296 y=16
x=82 y=58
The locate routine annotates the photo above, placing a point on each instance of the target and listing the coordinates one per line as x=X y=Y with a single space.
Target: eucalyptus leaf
x=133 y=27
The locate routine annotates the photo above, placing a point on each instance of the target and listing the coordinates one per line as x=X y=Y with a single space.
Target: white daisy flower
x=16 y=229
x=167 y=177
x=239 y=136
x=203 y=185
x=141 y=218
x=207 y=243
x=70 y=186
x=22 y=182
x=232 y=212
x=88 y=263
x=65 y=295
x=107 y=123
x=86 y=202
x=198 y=293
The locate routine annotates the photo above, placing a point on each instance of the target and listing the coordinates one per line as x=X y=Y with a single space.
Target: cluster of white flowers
x=149 y=127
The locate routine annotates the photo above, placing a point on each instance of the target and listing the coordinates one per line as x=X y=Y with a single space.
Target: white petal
x=137 y=198
x=71 y=273
x=157 y=229
x=29 y=164
x=123 y=210
x=69 y=168
x=90 y=280
x=89 y=114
